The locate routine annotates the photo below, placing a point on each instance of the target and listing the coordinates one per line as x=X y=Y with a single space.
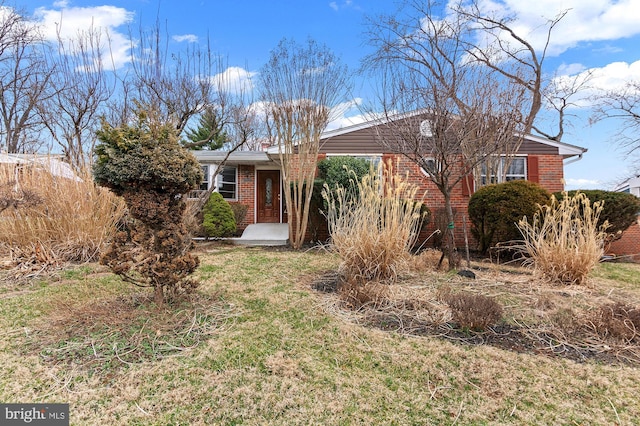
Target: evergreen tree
x=209 y=133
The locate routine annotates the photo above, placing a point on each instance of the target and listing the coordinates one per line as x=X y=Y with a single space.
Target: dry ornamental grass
x=374 y=231
x=564 y=241
x=53 y=219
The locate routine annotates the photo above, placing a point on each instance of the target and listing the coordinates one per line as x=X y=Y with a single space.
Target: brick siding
x=246 y=194
x=628 y=245
x=550 y=177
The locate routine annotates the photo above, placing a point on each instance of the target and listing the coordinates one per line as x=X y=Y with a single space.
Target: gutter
x=573 y=160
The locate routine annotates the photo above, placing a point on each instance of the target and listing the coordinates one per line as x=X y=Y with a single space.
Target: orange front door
x=268 y=194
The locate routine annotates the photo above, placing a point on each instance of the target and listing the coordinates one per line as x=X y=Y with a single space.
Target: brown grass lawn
x=266 y=340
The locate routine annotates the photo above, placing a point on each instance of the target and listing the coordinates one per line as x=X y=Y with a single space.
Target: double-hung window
x=517 y=170
x=204 y=185
x=227 y=183
x=430 y=166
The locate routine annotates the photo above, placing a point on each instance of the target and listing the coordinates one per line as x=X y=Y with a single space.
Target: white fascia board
x=241 y=157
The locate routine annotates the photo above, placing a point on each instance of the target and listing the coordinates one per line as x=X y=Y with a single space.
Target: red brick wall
x=551 y=172
x=246 y=194
x=628 y=244
x=550 y=177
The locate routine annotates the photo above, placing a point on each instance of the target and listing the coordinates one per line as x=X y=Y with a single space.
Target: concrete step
x=264 y=234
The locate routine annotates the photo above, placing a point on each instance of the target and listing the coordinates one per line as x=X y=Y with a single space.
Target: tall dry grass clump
x=373 y=224
x=564 y=241
x=49 y=218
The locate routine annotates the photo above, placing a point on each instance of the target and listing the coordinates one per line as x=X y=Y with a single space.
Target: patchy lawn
x=268 y=340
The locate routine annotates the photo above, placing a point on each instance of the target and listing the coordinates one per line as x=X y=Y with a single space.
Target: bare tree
x=495 y=42
x=622 y=105
x=175 y=85
x=450 y=116
x=24 y=77
x=299 y=85
x=80 y=89
x=179 y=88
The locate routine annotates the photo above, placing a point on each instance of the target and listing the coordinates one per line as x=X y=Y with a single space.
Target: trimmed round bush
x=620 y=209
x=144 y=163
x=144 y=156
x=219 y=220
x=494 y=210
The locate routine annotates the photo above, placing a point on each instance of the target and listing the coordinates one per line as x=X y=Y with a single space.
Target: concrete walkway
x=264 y=234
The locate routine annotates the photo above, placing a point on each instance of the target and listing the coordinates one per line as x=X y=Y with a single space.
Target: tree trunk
x=449 y=247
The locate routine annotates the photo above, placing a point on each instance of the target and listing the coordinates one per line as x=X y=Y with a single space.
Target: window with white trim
x=517 y=171
x=430 y=166
x=227 y=183
x=204 y=185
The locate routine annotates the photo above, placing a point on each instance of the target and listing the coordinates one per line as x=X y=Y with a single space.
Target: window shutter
x=467 y=185
x=533 y=172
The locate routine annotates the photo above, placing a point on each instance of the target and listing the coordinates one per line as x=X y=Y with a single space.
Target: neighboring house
x=253 y=178
x=53 y=163
x=628 y=245
x=632 y=186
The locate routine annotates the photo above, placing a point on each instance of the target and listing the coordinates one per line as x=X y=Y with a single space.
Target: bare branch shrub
x=473 y=311
x=564 y=241
x=374 y=231
x=356 y=294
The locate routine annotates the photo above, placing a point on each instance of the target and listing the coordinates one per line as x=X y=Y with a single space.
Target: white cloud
x=582 y=183
x=189 y=38
x=570 y=69
x=67 y=22
x=342 y=5
x=236 y=80
x=611 y=77
x=585 y=21
x=346 y=114
x=340 y=122
x=615 y=75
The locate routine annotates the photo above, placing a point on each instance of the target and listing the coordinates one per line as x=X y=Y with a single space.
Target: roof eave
x=242 y=157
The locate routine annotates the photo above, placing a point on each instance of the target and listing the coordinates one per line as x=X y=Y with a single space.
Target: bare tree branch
x=504 y=46
x=80 y=89
x=24 y=78
x=622 y=105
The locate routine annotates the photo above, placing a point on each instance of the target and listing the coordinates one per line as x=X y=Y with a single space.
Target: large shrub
x=495 y=210
x=563 y=240
x=620 y=209
x=343 y=170
x=219 y=220
x=145 y=164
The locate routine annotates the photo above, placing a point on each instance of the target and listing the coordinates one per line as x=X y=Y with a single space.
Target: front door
x=268 y=193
